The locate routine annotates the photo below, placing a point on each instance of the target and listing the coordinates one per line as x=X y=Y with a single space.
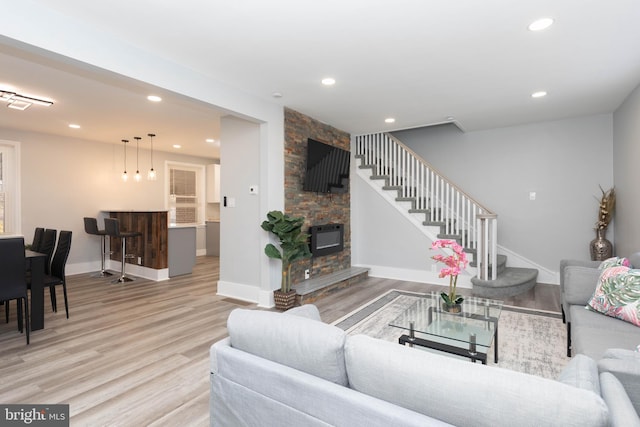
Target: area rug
x=530 y=341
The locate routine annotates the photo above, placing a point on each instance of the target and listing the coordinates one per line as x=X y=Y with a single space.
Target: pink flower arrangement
x=454 y=263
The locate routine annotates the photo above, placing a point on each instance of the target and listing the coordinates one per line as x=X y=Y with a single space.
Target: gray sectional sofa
x=588 y=332
x=291 y=369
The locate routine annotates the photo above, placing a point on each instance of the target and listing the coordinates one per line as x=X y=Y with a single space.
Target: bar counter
x=149 y=250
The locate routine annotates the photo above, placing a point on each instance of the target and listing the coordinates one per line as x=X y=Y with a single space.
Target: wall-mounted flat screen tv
x=327 y=168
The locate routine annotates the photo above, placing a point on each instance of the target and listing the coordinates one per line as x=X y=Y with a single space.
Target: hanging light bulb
x=137 y=177
x=125 y=177
x=151 y=176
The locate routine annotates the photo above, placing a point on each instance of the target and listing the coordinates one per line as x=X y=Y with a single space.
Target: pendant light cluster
x=151 y=175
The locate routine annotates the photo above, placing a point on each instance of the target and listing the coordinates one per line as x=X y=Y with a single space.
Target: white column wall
x=240 y=235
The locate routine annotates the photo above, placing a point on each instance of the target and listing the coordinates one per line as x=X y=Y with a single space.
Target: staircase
x=447 y=212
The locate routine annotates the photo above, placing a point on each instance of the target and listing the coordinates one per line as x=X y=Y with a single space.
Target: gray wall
x=626 y=154
x=564 y=162
x=382 y=238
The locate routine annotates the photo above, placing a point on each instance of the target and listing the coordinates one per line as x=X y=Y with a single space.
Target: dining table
x=35 y=263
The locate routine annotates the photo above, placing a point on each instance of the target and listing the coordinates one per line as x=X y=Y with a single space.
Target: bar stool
x=91 y=227
x=112 y=227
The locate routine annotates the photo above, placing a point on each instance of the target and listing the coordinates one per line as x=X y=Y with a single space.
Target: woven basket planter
x=284 y=300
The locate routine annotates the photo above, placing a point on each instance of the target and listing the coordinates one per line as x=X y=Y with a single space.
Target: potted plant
x=454 y=263
x=293 y=247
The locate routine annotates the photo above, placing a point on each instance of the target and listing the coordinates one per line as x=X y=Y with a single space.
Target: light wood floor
x=138 y=354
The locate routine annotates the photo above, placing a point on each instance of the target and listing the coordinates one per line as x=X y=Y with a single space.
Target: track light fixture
x=21 y=102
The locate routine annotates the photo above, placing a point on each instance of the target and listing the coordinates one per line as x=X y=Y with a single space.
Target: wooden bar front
x=152 y=246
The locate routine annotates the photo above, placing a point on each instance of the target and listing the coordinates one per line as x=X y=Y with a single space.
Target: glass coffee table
x=468 y=333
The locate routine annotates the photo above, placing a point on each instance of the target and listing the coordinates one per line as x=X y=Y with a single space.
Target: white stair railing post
x=487 y=246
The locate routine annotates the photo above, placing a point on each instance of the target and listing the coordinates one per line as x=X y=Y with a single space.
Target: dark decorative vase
x=600 y=247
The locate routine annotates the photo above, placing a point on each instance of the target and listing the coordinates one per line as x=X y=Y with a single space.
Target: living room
x=609 y=137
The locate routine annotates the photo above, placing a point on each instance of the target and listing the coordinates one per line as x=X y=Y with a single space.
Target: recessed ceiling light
x=540 y=24
x=74 y=126
x=210 y=140
x=154 y=98
x=276 y=95
x=328 y=81
x=177 y=146
x=389 y=120
x=539 y=94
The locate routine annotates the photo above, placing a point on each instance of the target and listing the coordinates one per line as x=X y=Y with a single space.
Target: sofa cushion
x=627 y=371
x=463 y=393
x=298 y=342
x=618 y=294
x=309 y=311
x=581 y=372
x=622 y=354
x=623 y=414
x=593 y=333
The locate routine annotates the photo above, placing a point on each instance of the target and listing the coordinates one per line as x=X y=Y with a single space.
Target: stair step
x=379 y=177
x=512 y=281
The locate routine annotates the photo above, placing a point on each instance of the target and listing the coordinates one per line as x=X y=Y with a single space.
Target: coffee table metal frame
x=473 y=351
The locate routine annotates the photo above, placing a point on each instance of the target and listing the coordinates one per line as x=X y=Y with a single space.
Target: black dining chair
x=13 y=283
x=37 y=239
x=57 y=275
x=47 y=246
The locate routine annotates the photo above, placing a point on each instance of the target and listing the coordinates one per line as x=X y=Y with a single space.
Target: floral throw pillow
x=618 y=294
x=613 y=262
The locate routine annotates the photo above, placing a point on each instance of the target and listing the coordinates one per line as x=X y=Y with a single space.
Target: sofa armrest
x=579 y=284
x=627 y=371
x=621 y=410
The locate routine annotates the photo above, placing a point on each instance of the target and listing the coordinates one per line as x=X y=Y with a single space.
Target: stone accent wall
x=316 y=208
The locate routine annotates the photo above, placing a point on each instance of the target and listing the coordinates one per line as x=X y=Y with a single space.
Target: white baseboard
x=410 y=275
x=139 y=271
x=243 y=292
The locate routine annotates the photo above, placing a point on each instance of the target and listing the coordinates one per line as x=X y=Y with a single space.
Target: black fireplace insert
x=326 y=239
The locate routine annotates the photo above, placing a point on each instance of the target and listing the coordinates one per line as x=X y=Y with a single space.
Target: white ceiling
x=420 y=61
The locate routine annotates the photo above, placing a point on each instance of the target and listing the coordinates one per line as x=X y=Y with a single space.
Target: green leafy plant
x=293 y=243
